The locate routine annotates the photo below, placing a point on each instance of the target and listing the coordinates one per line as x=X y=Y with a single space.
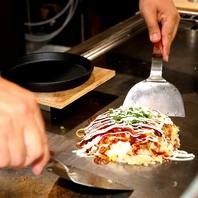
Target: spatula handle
x=156 y=65
x=157 y=48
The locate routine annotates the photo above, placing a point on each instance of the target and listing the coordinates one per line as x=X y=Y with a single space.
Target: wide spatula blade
x=156 y=93
x=162 y=96
x=83 y=177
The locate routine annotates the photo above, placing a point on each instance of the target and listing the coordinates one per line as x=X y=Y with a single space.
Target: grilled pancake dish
x=132 y=135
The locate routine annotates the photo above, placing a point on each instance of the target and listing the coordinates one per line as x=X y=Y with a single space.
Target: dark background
x=98 y=15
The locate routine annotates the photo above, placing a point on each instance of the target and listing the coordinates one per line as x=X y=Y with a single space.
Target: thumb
x=154 y=31
x=149 y=15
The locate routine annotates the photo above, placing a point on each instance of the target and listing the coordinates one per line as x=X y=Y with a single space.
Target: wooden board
x=61 y=99
x=186 y=5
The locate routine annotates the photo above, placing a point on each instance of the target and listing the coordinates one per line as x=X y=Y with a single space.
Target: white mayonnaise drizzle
x=141 y=121
x=105 y=122
x=180 y=155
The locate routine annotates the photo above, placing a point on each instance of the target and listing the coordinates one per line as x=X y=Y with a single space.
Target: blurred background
x=29 y=26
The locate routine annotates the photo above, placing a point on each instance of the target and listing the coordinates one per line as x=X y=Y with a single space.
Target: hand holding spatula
x=155 y=92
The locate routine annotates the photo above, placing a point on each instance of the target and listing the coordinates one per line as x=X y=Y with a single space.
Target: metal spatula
x=83 y=177
x=155 y=92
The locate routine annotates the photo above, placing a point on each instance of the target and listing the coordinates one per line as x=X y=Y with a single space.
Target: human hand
x=161 y=12
x=23 y=140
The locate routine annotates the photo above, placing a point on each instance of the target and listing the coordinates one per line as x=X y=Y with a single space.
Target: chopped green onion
x=62 y=128
x=111 y=111
x=129 y=115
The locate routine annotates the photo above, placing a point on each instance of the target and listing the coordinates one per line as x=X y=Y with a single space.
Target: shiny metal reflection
x=194 y=1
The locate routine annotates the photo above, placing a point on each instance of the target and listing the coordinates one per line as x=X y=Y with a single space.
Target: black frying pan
x=48 y=71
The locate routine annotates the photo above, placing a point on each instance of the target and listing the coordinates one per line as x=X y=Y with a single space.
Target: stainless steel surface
x=192 y=190
x=194 y=1
x=83 y=177
x=110 y=38
x=156 y=93
x=189 y=14
x=131 y=60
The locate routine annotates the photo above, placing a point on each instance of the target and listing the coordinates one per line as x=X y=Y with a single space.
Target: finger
x=169 y=30
x=27 y=125
x=32 y=133
x=41 y=125
x=16 y=147
x=36 y=141
x=154 y=31
x=5 y=158
x=33 y=141
x=13 y=155
x=37 y=158
x=39 y=164
x=151 y=19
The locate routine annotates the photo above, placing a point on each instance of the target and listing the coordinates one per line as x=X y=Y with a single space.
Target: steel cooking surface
x=131 y=60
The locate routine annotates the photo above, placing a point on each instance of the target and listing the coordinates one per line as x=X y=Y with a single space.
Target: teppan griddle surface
x=131 y=59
